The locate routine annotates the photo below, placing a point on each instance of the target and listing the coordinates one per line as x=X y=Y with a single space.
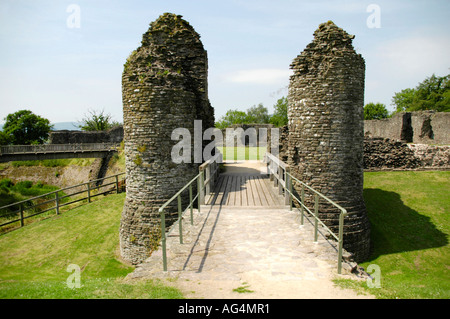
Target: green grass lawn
x=34 y=259
x=409 y=214
x=410 y=224
x=240 y=153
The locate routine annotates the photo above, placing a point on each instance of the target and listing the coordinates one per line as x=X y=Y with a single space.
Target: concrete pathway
x=248 y=252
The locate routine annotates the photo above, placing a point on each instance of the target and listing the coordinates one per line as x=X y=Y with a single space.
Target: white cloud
x=259 y=76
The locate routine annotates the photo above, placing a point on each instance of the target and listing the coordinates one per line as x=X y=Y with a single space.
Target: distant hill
x=72 y=126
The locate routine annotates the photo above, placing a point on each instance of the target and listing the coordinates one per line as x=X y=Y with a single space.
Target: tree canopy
x=431 y=94
x=97 y=121
x=257 y=114
x=376 y=111
x=24 y=128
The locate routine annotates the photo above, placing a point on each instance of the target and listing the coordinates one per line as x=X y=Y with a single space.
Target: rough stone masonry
x=164 y=87
x=325 y=148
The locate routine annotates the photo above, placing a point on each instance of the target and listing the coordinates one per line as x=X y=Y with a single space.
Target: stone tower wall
x=164 y=86
x=325 y=149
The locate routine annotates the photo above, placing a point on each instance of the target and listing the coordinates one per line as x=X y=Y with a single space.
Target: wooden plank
x=262 y=196
x=250 y=200
x=221 y=190
x=244 y=200
x=239 y=191
x=272 y=199
x=256 y=197
x=232 y=191
x=217 y=188
x=226 y=193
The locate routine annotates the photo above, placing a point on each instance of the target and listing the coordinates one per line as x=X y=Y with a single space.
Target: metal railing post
x=341 y=241
x=199 y=190
x=201 y=195
x=180 y=219
x=288 y=188
x=208 y=176
x=163 y=239
x=303 y=203
x=316 y=215
x=191 y=204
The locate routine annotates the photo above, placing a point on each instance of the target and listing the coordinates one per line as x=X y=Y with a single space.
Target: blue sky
x=60 y=72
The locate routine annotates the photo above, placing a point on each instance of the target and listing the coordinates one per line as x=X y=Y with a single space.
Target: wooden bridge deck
x=244 y=185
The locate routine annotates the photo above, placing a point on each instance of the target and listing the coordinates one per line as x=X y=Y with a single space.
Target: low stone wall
x=114 y=135
x=385 y=154
x=432 y=156
x=424 y=127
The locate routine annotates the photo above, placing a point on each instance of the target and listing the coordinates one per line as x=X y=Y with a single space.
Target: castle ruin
x=164 y=87
x=326 y=136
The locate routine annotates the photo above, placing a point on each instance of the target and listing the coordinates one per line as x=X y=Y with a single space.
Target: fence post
x=57 y=203
x=201 y=194
x=341 y=241
x=163 y=239
x=21 y=214
x=198 y=191
x=303 y=203
x=191 y=203
x=89 y=191
x=316 y=215
x=208 y=176
x=288 y=189
x=280 y=184
x=180 y=219
x=117 y=184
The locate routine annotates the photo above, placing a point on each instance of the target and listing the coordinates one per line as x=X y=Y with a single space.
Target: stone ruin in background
x=164 y=87
x=326 y=134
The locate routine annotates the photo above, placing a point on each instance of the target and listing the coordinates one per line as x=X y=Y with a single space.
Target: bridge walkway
x=245 y=239
x=245 y=184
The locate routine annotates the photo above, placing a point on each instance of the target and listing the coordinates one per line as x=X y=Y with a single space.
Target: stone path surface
x=262 y=252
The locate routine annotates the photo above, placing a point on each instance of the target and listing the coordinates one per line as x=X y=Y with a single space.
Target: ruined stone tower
x=164 y=87
x=325 y=148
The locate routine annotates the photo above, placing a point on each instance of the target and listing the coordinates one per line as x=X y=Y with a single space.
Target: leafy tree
x=431 y=94
x=257 y=114
x=374 y=111
x=280 y=116
x=230 y=118
x=25 y=128
x=97 y=122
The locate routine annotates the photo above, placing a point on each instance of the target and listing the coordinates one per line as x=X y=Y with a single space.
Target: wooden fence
x=16 y=212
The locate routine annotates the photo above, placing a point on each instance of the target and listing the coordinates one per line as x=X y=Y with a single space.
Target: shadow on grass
x=397 y=228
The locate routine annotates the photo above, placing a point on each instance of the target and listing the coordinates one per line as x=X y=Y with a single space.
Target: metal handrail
x=56 y=148
x=201 y=186
x=287 y=186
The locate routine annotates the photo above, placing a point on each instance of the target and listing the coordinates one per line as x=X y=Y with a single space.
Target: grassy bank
x=240 y=153
x=34 y=259
x=409 y=215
